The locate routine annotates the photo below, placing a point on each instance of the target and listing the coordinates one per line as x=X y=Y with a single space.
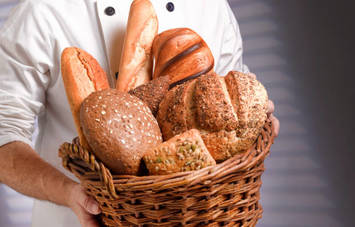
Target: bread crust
x=229 y=112
x=181 y=53
x=81 y=75
x=176 y=112
x=120 y=128
x=184 y=152
x=137 y=61
x=152 y=93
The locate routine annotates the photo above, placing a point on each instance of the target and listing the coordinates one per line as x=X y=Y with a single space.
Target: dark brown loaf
x=153 y=92
x=81 y=75
x=184 y=152
x=120 y=128
x=229 y=112
x=182 y=54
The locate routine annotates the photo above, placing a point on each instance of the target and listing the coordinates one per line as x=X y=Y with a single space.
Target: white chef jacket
x=31 y=43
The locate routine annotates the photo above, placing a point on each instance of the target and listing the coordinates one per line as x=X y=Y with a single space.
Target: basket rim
x=78 y=160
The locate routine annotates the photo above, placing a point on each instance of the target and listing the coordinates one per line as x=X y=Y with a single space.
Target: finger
x=88 y=203
x=270 y=107
x=276 y=124
x=87 y=220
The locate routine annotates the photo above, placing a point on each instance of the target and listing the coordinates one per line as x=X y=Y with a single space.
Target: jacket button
x=170 y=6
x=109 y=11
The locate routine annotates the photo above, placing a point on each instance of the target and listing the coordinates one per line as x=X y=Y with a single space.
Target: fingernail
x=94 y=208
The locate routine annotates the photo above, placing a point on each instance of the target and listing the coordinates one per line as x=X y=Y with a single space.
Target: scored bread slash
x=184 y=152
x=81 y=75
x=182 y=54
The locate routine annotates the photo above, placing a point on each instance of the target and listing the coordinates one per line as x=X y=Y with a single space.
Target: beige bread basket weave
x=222 y=195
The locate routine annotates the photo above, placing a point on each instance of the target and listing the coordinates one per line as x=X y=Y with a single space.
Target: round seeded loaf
x=119 y=128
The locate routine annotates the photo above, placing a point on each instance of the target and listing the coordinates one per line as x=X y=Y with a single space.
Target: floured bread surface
x=119 y=128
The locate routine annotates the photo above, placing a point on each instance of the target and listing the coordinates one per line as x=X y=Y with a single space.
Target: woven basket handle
x=70 y=152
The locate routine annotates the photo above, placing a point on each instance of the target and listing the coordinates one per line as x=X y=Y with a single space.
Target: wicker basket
x=222 y=195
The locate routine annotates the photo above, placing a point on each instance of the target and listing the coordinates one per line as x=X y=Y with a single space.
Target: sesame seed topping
x=103 y=112
x=98 y=120
x=123 y=141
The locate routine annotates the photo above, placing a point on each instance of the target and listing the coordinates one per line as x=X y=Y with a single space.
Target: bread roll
x=81 y=75
x=120 y=128
x=182 y=54
x=184 y=152
x=152 y=93
x=136 y=63
x=229 y=112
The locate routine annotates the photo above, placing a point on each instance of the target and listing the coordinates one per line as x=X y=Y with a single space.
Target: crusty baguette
x=184 y=152
x=229 y=112
x=136 y=63
x=182 y=54
x=81 y=75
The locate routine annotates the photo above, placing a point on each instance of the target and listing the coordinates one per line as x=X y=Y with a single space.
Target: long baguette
x=136 y=63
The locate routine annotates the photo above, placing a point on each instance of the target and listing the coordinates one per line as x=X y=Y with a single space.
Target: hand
x=84 y=206
x=273 y=119
x=270 y=111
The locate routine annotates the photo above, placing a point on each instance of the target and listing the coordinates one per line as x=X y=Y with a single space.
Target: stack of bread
x=171 y=116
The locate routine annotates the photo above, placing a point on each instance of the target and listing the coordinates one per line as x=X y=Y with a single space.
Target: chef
x=31 y=88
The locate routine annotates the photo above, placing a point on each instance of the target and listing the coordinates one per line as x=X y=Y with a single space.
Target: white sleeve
x=24 y=65
x=232 y=46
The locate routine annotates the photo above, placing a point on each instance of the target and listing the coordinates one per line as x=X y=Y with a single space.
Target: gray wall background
x=302 y=52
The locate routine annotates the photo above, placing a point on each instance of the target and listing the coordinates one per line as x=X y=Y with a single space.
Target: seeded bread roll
x=119 y=128
x=184 y=152
x=152 y=93
x=229 y=112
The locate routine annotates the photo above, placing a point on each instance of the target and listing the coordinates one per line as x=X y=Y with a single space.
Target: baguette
x=136 y=63
x=81 y=75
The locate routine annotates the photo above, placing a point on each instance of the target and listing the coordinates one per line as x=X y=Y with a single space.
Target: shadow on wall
x=294 y=49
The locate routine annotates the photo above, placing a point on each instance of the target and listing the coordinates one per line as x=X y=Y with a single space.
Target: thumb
x=88 y=203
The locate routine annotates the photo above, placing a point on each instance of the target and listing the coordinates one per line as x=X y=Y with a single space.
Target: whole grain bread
x=153 y=92
x=119 y=128
x=229 y=112
x=184 y=152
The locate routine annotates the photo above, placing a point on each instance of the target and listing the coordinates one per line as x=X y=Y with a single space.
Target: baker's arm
x=26 y=57
x=23 y=170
